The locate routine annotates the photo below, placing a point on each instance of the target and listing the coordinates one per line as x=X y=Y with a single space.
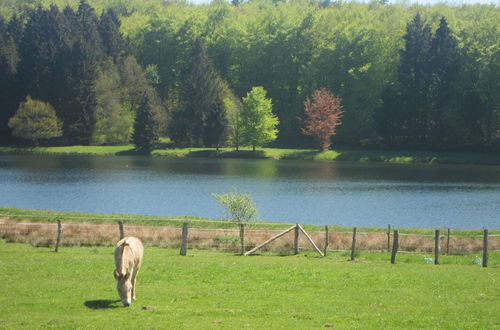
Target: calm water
x=342 y=193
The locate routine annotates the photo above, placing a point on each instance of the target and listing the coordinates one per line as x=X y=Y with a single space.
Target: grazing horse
x=128 y=260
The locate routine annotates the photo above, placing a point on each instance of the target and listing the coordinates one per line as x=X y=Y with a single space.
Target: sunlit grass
x=357 y=155
x=75 y=289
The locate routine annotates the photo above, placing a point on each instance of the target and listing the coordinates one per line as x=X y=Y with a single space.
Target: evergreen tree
x=146 y=128
x=216 y=124
x=72 y=23
x=79 y=124
x=89 y=29
x=445 y=60
x=473 y=110
x=389 y=119
x=39 y=50
x=109 y=29
x=200 y=118
x=10 y=96
x=415 y=77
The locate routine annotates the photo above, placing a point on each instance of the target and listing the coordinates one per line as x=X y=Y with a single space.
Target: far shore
x=356 y=155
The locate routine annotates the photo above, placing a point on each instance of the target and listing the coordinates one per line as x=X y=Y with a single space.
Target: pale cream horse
x=128 y=260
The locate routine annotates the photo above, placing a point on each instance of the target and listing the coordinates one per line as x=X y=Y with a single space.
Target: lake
x=324 y=193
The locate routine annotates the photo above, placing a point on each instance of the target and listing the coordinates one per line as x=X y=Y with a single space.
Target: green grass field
x=213 y=290
x=356 y=155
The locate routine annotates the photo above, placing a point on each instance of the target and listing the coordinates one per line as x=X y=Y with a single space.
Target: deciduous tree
x=258 y=123
x=323 y=115
x=238 y=206
x=35 y=120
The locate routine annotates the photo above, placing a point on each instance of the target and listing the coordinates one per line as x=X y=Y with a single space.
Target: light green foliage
x=238 y=206
x=258 y=123
x=152 y=74
x=75 y=288
x=35 y=120
x=233 y=108
x=114 y=118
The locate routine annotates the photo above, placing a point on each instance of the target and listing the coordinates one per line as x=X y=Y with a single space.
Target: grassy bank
x=486 y=158
x=212 y=290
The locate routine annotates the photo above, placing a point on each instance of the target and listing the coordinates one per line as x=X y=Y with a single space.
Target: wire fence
x=45 y=234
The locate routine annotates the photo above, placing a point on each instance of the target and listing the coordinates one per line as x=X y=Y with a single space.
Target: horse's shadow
x=102 y=304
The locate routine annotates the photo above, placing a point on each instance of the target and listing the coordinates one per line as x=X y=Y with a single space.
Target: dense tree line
x=76 y=62
x=419 y=76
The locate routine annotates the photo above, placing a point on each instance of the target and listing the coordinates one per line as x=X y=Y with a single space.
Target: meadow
x=74 y=288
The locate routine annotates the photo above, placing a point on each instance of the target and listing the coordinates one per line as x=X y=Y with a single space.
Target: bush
x=238 y=206
x=35 y=120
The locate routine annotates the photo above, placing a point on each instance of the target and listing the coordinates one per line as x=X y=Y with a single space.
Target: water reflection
x=289 y=191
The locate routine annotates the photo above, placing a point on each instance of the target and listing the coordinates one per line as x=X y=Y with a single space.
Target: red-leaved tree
x=323 y=115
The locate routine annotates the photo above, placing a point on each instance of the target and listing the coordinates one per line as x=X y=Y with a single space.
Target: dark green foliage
x=83 y=73
x=109 y=29
x=415 y=76
x=39 y=50
x=200 y=118
x=216 y=125
x=389 y=117
x=146 y=125
x=445 y=93
x=9 y=96
x=56 y=57
x=89 y=28
x=435 y=103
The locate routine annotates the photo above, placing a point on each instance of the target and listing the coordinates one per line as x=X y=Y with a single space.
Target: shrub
x=35 y=120
x=238 y=206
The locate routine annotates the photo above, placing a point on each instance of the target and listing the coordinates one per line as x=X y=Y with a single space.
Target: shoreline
x=354 y=155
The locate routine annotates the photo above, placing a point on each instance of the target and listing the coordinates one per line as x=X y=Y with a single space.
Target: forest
x=104 y=72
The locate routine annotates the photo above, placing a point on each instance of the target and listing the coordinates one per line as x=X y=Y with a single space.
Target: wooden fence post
x=395 y=246
x=485 y=248
x=353 y=248
x=59 y=233
x=184 y=238
x=437 y=246
x=326 y=241
x=242 y=238
x=296 y=240
x=120 y=227
x=389 y=238
x=448 y=242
